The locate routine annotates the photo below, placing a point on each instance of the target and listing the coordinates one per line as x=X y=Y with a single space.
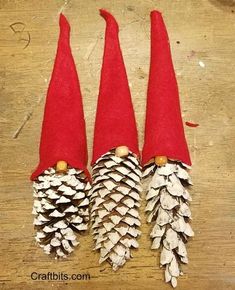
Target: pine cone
x=60 y=209
x=115 y=201
x=168 y=207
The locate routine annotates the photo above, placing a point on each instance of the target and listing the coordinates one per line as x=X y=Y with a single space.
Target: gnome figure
x=116 y=172
x=60 y=181
x=165 y=158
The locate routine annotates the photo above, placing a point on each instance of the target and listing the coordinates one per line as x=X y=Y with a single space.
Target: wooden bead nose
x=160 y=160
x=61 y=166
x=121 y=151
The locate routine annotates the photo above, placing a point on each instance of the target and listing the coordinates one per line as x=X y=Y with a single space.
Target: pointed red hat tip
x=63 y=21
x=115 y=121
x=108 y=17
x=164 y=132
x=63 y=135
x=64 y=28
x=155 y=13
x=104 y=13
x=158 y=27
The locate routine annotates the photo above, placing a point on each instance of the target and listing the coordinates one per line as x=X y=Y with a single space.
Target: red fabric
x=190 y=124
x=115 y=121
x=164 y=132
x=63 y=135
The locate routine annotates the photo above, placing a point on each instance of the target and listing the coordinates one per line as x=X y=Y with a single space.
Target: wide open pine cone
x=168 y=209
x=61 y=209
x=115 y=201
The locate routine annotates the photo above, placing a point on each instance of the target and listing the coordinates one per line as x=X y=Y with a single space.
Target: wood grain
x=199 y=31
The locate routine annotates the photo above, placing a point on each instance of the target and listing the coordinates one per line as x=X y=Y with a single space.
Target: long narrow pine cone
x=168 y=210
x=115 y=201
x=60 y=209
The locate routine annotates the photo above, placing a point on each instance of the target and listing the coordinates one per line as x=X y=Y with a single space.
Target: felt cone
x=116 y=170
x=115 y=121
x=167 y=197
x=60 y=180
x=63 y=135
x=164 y=133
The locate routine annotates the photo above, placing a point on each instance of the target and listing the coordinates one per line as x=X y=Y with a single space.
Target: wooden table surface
x=201 y=32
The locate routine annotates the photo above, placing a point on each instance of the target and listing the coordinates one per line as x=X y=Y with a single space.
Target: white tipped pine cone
x=168 y=209
x=115 y=201
x=61 y=209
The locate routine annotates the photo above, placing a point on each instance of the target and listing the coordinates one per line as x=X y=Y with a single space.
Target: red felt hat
x=115 y=121
x=164 y=132
x=63 y=135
